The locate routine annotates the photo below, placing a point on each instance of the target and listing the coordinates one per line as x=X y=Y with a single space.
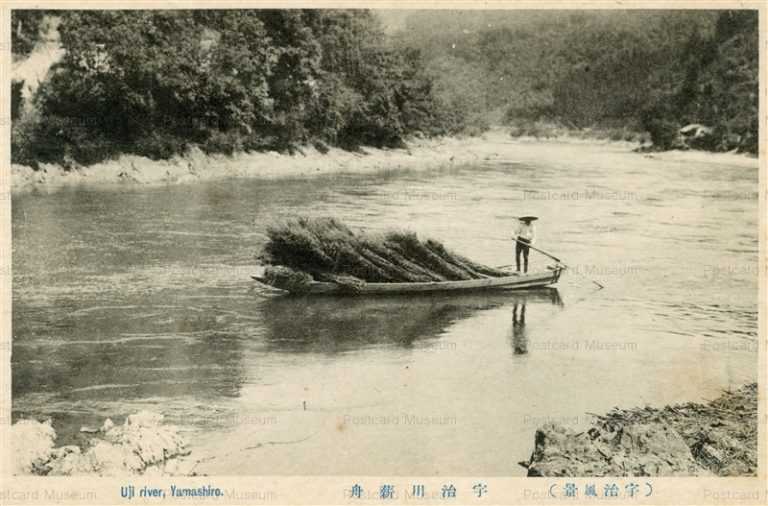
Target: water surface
x=129 y=298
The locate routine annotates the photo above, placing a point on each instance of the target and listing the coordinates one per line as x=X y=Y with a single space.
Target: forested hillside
x=155 y=83
x=653 y=71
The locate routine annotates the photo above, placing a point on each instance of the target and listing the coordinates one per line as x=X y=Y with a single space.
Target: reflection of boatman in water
x=525 y=235
x=519 y=331
x=519 y=335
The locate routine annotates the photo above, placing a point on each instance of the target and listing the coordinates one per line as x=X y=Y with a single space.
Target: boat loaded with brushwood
x=323 y=256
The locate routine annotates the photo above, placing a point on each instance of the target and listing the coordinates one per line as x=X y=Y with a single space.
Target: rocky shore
x=143 y=445
x=714 y=439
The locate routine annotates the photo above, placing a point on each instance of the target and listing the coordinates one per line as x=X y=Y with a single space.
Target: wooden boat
x=514 y=281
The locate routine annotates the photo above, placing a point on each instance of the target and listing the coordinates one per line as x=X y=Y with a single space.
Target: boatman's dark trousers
x=522 y=247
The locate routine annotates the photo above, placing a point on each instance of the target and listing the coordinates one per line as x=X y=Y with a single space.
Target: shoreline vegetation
x=96 y=89
x=693 y=439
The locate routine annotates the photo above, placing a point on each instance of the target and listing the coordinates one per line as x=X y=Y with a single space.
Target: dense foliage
x=645 y=70
x=156 y=82
x=25 y=30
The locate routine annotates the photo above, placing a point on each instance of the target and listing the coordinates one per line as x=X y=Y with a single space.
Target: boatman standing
x=525 y=235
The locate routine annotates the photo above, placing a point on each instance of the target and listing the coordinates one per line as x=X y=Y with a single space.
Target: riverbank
x=420 y=154
x=143 y=445
x=198 y=166
x=718 y=438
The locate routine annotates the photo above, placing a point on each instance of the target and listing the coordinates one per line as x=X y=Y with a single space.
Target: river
x=129 y=298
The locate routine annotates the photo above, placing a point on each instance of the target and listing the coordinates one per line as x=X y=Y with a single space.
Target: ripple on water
x=143 y=300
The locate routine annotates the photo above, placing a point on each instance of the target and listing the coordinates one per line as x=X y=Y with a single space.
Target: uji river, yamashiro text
x=132 y=298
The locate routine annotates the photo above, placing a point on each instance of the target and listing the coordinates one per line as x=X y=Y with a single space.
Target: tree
x=25 y=30
x=156 y=82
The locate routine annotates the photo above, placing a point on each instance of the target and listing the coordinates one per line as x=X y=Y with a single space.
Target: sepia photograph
x=413 y=243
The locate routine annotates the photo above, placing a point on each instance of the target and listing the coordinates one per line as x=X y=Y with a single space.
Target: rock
x=697 y=136
x=695 y=130
x=711 y=456
x=113 y=459
x=32 y=446
x=67 y=461
x=636 y=450
x=142 y=444
x=686 y=440
x=146 y=436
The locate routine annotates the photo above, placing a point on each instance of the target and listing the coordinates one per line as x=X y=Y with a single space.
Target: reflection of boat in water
x=515 y=281
x=332 y=324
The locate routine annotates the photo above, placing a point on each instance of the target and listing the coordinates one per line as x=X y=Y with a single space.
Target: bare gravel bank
x=421 y=154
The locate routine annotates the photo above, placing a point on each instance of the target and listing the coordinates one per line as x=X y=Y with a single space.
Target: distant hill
x=646 y=70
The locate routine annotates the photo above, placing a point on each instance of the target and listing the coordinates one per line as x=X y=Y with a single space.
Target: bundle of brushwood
x=325 y=249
